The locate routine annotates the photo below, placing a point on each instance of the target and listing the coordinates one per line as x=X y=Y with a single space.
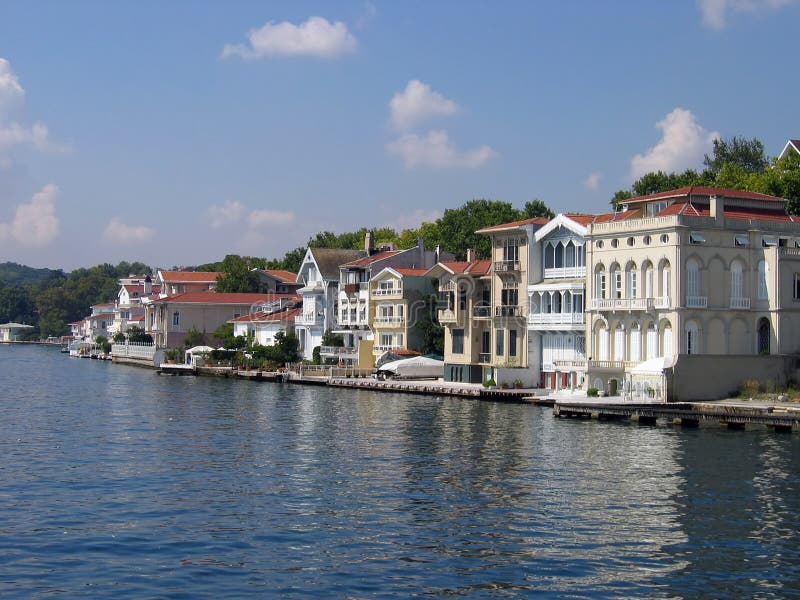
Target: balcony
x=392 y=292
x=353 y=288
x=506 y=266
x=384 y=348
x=447 y=316
x=485 y=357
x=390 y=321
x=696 y=301
x=482 y=312
x=629 y=303
x=509 y=311
x=308 y=319
x=740 y=303
x=565 y=273
x=560 y=319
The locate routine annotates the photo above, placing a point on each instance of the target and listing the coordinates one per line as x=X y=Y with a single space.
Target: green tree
x=194 y=337
x=238 y=275
x=536 y=208
x=746 y=154
x=137 y=335
x=457 y=226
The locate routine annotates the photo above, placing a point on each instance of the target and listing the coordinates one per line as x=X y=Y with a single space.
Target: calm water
x=117 y=482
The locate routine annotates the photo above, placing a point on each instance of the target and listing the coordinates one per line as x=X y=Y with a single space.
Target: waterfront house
x=701 y=284
x=319 y=275
x=352 y=311
x=513 y=251
x=128 y=309
x=169 y=319
x=9 y=332
x=263 y=326
x=465 y=313
x=181 y=282
x=278 y=281
x=402 y=300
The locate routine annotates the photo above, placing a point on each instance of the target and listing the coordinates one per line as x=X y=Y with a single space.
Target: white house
x=9 y=332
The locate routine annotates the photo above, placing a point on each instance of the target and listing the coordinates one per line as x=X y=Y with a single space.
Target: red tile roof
x=190 y=276
x=212 y=297
x=262 y=317
x=686 y=192
x=137 y=318
x=368 y=260
x=582 y=219
x=104 y=304
x=283 y=276
x=738 y=212
x=513 y=224
x=410 y=272
x=475 y=267
x=140 y=288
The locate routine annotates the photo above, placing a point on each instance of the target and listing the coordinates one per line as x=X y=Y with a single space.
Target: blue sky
x=178 y=132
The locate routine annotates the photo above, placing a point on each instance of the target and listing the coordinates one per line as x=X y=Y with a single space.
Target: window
x=386 y=340
x=614 y=243
x=692 y=338
x=630 y=241
x=510 y=250
x=737 y=280
x=600 y=291
x=619 y=343
x=796 y=289
x=512 y=342
x=509 y=297
x=617 y=283
x=486 y=342
x=768 y=241
x=632 y=284
x=458 y=341
x=176 y=319
x=664 y=238
x=462 y=297
x=652 y=341
x=741 y=241
x=499 y=343
x=763 y=270
x=599 y=243
x=692 y=278
x=646 y=240
x=695 y=237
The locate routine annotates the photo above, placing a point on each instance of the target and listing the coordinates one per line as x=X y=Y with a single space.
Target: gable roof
x=189 y=276
x=329 y=259
x=790 y=145
x=368 y=260
x=264 y=317
x=281 y=275
x=568 y=222
x=514 y=225
x=457 y=267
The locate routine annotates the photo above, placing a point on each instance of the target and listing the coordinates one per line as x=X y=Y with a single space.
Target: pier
x=731 y=414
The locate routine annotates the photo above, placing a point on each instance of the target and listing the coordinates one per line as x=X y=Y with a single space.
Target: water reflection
x=118 y=481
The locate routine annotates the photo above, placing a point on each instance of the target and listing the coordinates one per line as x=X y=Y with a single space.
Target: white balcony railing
x=384 y=347
x=509 y=311
x=482 y=312
x=308 y=319
x=389 y=320
x=557 y=318
x=501 y=266
x=629 y=303
x=740 y=303
x=564 y=272
x=447 y=316
x=387 y=292
x=696 y=301
x=337 y=351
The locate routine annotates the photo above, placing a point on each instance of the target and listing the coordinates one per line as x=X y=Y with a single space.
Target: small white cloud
x=315 y=37
x=414 y=219
x=12 y=95
x=229 y=213
x=417 y=103
x=35 y=223
x=715 y=12
x=435 y=150
x=682 y=146
x=269 y=218
x=118 y=232
x=592 y=182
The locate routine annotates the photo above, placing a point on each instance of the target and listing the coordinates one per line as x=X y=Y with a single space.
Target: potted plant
x=518 y=384
x=490 y=384
x=171 y=356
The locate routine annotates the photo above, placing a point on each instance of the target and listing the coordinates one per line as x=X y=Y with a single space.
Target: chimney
x=470 y=254
x=717 y=208
x=369 y=242
x=421 y=252
x=148 y=286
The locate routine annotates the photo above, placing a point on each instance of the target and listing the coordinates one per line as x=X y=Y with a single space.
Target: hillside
x=15 y=274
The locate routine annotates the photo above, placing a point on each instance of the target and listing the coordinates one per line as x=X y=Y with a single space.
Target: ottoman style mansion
x=680 y=295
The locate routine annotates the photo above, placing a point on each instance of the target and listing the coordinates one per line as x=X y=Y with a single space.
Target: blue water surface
x=118 y=482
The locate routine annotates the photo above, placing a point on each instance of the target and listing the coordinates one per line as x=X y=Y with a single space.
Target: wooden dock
x=732 y=415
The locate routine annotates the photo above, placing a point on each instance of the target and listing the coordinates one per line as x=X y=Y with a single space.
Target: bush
x=172 y=354
x=489 y=383
x=749 y=388
x=593 y=392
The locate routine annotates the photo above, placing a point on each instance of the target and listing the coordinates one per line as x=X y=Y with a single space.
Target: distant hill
x=15 y=274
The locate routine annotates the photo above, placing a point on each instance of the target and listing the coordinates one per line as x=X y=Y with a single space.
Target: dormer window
x=741 y=241
x=769 y=241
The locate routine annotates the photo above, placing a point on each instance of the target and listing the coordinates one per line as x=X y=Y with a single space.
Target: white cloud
x=12 y=134
x=414 y=219
x=117 y=232
x=437 y=151
x=592 y=182
x=416 y=103
x=268 y=218
x=682 y=146
x=715 y=12
x=315 y=37
x=229 y=213
x=35 y=223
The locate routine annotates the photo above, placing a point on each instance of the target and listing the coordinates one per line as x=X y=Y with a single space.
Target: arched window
x=600 y=282
x=763 y=271
x=631 y=280
x=667 y=341
x=616 y=282
x=603 y=343
x=648 y=290
x=692 y=338
x=636 y=343
x=569 y=254
x=763 y=335
x=692 y=278
x=619 y=342
x=549 y=255
x=737 y=280
x=559 y=259
x=652 y=341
